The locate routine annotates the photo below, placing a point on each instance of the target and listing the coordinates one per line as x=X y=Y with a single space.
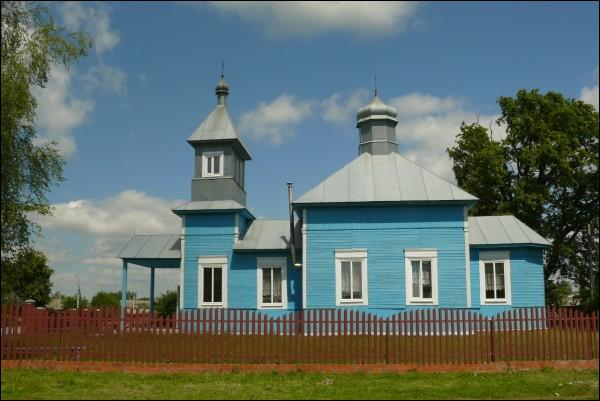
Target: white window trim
x=353 y=255
x=410 y=254
x=205 y=157
x=269 y=262
x=495 y=256
x=212 y=261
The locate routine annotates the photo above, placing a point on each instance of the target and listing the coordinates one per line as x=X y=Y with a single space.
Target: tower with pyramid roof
x=220 y=156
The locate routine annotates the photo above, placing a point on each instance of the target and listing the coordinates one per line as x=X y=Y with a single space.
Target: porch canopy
x=153 y=252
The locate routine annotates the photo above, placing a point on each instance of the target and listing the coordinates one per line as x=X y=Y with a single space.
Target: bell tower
x=220 y=155
x=377 y=127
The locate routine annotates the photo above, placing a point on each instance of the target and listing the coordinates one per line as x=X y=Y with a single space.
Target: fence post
x=493 y=340
x=387 y=340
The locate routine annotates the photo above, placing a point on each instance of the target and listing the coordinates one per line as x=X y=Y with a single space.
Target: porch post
x=123 y=291
x=152 y=291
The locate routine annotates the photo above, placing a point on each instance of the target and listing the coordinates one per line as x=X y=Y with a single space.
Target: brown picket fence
x=208 y=336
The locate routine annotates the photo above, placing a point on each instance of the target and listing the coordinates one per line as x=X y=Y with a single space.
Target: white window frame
x=209 y=262
x=205 y=157
x=495 y=257
x=271 y=262
x=351 y=255
x=421 y=254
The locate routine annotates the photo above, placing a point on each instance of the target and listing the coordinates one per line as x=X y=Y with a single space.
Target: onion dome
x=376 y=110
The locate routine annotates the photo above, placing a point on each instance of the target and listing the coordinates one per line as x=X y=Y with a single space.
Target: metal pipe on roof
x=292 y=230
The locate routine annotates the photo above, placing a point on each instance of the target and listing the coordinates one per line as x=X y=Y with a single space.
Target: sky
x=297 y=74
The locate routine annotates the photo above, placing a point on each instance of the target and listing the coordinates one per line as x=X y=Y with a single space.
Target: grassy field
x=540 y=384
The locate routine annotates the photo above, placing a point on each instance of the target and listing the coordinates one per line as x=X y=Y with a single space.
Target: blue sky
x=297 y=74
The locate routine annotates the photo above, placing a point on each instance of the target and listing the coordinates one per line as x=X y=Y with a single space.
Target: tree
x=545 y=172
x=106 y=300
x=31 y=44
x=558 y=293
x=26 y=277
x=70 y=302
x=166 y=304
x=480 y=166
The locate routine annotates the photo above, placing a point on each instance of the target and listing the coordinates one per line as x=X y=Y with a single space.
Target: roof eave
x=236 y=142
x=511 y=245
x=244 y=211
x=468 y=202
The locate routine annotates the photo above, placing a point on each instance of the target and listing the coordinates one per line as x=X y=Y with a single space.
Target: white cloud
x=340 y=109
x=108 y=78
x=143 y=78
x=417 y=103
x=92 y=18
x=275 y=121
x=307 y=18
x=589 y=94
x=60 y=111
x=118 y=215
x=427 y=124
x=101 y=228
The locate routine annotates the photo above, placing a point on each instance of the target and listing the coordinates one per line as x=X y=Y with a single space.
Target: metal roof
x=152 y=247
x=218 y=126
x=376 y=110
x=207 y=206
x=383 y=178
x=501 y=230
x=268 y=235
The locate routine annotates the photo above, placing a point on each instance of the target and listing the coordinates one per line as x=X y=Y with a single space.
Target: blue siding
x=213 y=235
x=242 y=281
x=527 y=279
x=205 y=235
x=244 y=224
x=385 y=232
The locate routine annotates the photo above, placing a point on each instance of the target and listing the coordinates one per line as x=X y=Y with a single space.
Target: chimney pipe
x=292 y=229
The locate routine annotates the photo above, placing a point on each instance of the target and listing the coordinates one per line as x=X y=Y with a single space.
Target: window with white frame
x=351 y=277
x=421 y=276
x=212 y=286
x=271 y=282
x=494 y=277
x=212 y=164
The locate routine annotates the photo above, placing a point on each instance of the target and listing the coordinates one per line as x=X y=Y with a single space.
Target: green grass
x=538 y=384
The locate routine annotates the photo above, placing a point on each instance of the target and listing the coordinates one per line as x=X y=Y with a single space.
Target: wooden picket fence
x=441 y=336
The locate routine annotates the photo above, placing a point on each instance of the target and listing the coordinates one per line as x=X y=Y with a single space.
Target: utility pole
x=78 y=292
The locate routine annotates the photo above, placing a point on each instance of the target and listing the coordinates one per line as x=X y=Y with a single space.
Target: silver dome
x=376 y=110
x=222 y=87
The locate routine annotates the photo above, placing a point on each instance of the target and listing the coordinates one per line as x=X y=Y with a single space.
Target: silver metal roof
x=218 y=126
x=383 y=178
x=152 y=247
x=268 y=235
x=376 y=109
x=208 y=205
x=496 y=230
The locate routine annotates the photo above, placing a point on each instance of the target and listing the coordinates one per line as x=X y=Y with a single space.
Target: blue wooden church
x=381 y=234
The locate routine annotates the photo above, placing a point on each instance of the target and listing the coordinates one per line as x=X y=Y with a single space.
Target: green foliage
x=558 y=293
x=70 y=302
x=480 y=166
x=26 y=277
x=166 y=304
x=588 y=300
x=106 y=300
x=545 y=172
x=31 y=44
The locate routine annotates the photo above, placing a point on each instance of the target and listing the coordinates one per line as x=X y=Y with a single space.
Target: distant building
x=381 y=234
